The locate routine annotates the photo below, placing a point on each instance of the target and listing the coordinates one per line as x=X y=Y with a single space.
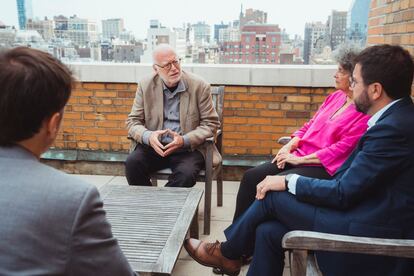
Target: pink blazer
x=332 y=139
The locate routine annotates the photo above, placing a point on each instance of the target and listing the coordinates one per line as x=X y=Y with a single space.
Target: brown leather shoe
x=209 y=254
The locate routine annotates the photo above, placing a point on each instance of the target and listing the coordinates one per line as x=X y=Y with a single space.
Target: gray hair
x=163 y=47
x=345 y=56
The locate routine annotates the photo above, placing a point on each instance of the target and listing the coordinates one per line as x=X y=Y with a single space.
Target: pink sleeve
x=333 y=156
x=300 y=132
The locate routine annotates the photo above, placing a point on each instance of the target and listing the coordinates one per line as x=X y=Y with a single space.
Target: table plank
x=150 y=223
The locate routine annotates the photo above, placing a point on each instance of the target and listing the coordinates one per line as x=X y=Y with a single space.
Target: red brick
x=93 y=86
x=116 y=86
x=105 y=94
x=259 y=121
x=261 y=89
x=241 y=89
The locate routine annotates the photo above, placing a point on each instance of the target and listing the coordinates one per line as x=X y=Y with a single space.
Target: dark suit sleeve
x=381 y=156
x=94 y=251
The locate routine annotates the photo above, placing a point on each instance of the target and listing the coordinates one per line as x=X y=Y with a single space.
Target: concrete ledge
x=218 y=74
x=112 y=163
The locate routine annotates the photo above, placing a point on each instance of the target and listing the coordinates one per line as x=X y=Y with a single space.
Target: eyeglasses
x=167 y=67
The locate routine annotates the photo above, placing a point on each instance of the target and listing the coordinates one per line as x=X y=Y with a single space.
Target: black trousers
x=252 y=177
x=185 y=166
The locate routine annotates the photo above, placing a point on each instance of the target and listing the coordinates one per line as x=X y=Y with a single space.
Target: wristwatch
x=287 y=177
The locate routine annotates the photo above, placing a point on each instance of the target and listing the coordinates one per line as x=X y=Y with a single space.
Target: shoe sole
x=208 y=265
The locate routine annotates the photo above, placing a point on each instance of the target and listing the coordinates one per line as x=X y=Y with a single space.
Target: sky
x=288 y=14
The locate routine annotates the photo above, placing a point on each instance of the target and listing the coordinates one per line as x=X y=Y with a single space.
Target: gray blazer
x=52 y=223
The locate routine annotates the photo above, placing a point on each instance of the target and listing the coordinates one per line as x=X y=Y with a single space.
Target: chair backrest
x=217 y=93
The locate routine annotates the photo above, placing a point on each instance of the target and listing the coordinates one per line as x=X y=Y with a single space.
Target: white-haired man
x=171 y=117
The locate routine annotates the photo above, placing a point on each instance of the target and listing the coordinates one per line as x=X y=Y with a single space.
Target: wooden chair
x=301 y=245
x=209 y=173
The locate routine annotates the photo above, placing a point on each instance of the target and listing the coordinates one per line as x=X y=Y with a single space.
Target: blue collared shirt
x=371 y=122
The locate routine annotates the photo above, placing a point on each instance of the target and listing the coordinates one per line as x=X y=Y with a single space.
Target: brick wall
x=254 y=117
x=392 y=22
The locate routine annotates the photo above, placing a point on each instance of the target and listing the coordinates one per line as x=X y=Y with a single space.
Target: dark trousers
x=261 y=228
x=252 y=177
x=185 y=166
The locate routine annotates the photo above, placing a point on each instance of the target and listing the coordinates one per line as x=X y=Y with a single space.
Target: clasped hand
x=165 y=150
x=284 y=156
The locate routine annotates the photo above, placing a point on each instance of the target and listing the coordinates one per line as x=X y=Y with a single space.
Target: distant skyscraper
x=315 y=35
x=82 y=32
x=112 y=28
x=337 y=28
x=43 y=27
x=61 y=26
x=202 y=33
x=217 y=28
x=357 y=21
x=24 y=12
x=252 y=16
x=259 y=44
x=158 y=34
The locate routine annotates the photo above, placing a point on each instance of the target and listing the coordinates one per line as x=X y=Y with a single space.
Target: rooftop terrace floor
x=221 y=217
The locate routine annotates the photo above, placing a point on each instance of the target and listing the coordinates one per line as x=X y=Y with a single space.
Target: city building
x=7 y=35
x=82 y=32
x=230 y=34
x=259 y=44
x=24 y=12
x=158 y=34
x=337 y=28
x=357 y=22
x=61 y=27
x=217 y=28
x=128 y=53
x=252 y=16
x=112 y=28
x=44 y=27
x=314 y=41
x=202 y=33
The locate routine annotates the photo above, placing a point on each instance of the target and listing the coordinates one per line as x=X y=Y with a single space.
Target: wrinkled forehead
x=165 y=56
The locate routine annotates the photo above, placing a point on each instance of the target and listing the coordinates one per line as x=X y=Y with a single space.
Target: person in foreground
x=171 y=117
x=320 y=147
x=51 y=223
x=371 y=195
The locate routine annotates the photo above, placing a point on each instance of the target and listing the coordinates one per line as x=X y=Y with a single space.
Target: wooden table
x=150 y=223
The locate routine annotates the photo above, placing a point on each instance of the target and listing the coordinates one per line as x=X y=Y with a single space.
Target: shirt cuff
x=292 y=183
x=186 y=142
x=145 y=137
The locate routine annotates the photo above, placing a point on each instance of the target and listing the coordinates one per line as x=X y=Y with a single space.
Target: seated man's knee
x=271 y=231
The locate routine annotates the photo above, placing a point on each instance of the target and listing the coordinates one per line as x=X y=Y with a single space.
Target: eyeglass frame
x=167 y=67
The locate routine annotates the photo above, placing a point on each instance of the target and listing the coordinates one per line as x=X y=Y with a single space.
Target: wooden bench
x=150 y=223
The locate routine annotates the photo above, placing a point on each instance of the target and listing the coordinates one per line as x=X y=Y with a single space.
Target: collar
x=180 y=87
x=373 y=120
x=16 y=152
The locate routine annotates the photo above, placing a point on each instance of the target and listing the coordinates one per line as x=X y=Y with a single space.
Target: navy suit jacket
x=371 y=195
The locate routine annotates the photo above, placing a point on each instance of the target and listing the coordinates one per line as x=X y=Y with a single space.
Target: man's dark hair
x=33 y=86
x=389 y=65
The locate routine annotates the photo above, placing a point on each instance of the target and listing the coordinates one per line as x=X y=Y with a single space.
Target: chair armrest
x=284 y=140
x=316 y=241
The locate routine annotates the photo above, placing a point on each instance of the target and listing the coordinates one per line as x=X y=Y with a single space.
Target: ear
x=53 y=125
x=155 y=68
x=376 y=90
